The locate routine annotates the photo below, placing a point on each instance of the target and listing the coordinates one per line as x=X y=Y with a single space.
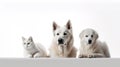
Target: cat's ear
x=30 y=38
x=23 y=38
x=68 y=25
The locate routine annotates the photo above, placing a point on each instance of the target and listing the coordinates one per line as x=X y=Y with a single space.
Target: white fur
x=65 y=49
x=33 y=50
x=95 y=49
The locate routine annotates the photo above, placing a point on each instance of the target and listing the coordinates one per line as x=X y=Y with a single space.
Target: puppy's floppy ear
x=23 y=38
x=81 y=35
x=97 y=36
x=68 y=25
x=30 y=38
x=55 y=26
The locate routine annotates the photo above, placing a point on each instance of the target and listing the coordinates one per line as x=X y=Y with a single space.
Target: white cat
x=33 y=50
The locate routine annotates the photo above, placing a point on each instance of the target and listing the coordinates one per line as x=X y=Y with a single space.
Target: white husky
x=33 y=50
x=91 y=47
x=62 y=44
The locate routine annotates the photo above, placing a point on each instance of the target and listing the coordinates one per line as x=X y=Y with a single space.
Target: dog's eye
x=57 y=33
x=86 y=36
x=24 y=43
x=91 y=35
x=65 y=33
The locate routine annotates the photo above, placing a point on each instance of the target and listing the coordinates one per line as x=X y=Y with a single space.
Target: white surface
x=69 y=62
x=35 y=17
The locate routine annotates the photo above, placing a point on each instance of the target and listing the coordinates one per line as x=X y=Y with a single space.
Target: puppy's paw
x=91 y=56
x=99 y=56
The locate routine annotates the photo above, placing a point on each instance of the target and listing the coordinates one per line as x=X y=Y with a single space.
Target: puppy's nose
x=60 y=41
x=89 y=41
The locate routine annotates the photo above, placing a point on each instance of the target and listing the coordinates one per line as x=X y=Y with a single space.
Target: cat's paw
x=37 y=55
x=29 y=56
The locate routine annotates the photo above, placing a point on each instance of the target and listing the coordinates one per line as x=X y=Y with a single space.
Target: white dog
x=62 y=44
x=33 y=50
x=91 y=47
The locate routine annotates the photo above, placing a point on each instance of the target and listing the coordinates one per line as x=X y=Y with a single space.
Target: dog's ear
x=68 y=25
x=55 y=26
x=97 y=36
x=30 y=38
x=81 y=35
x=23 y=38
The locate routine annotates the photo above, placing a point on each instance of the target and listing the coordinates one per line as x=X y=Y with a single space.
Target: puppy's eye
x=65 y=33
x=86 y=36
x=57 y=33
x=91 y=35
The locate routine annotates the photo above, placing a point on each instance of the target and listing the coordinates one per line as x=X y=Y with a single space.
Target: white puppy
x=33 y=50
x=91 y=47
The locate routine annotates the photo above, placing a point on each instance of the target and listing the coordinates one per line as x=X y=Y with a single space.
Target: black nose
x=89 y=41
x=60 y=41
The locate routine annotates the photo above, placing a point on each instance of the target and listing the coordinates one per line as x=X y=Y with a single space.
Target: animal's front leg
x=98 y=55
x=95 y=55
x=53 y=54
x=37 y=55
x=83 y=56
x=28 y=56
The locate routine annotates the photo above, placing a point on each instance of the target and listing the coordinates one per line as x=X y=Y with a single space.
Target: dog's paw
x=91 y=56
x=82 y=56
x=94 y=56
x=99 y=56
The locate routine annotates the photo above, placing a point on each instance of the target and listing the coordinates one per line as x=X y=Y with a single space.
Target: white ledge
x=56 y=62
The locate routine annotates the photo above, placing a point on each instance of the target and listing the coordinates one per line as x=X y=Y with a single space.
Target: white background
x=34 y=18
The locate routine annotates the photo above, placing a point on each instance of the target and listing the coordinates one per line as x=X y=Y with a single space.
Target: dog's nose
x=89 y=41
x=60 y=41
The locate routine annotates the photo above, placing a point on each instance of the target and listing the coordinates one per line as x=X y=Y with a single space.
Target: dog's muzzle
x=60 y=41
x=89 y=41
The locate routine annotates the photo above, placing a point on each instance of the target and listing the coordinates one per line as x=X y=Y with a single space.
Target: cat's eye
x=91 y=35
x=57 y=33
x=86 y=35
x=65 y=33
